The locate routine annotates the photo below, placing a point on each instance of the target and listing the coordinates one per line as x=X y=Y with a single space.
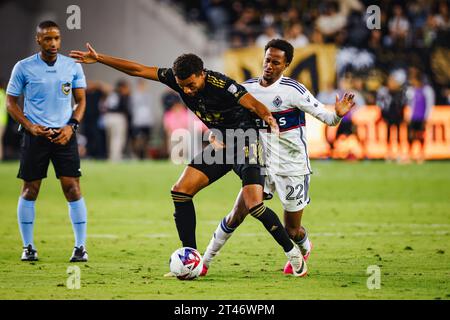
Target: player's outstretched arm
x=129 y=67
x=249 y=102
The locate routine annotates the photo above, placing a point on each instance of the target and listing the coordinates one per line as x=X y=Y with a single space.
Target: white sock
x=304 y=243
x=218 y=240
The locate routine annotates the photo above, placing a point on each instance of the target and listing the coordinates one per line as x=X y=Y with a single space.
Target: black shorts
x=248 y=166
x=36 y=153
x=417 y=126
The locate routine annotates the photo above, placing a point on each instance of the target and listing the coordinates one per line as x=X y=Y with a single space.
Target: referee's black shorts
x=36 y=152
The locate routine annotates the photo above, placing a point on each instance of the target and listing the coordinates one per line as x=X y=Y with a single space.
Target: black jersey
x=217 y=105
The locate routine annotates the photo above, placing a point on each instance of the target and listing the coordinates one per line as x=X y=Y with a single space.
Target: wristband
x=74 y=123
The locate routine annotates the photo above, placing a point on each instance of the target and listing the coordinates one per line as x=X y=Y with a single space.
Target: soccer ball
x=186 y=263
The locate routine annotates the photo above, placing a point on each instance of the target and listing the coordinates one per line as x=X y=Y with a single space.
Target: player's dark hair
x=284 y=46
x=186 y=65
x=46 y=24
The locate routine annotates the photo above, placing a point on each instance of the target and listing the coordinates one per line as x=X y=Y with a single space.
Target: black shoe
x=29 y=254
x=79 y=255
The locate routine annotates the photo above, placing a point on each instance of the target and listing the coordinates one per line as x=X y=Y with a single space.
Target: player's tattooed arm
x=129 y=67
x=17 y=114
x=249 y=102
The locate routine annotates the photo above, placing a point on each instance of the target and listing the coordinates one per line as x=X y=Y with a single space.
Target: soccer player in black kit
x=224 y=106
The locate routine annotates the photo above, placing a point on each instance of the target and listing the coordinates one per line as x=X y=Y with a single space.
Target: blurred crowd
x=404 y=62
x=411 y=33
x=120 y=123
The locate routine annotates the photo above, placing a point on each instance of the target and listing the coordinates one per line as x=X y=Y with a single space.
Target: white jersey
x=288 y=100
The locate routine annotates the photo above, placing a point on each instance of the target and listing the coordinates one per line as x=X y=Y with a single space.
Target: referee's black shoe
x=79 y=255
x=29 y=254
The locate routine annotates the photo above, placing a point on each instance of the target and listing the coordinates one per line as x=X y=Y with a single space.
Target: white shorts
x=293 y=191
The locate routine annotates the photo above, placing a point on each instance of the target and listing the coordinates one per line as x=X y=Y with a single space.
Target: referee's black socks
x=273 y=224
x=185 y=218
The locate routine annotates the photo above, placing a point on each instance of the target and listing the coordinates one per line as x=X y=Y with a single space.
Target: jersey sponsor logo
x=66 y=87
x=286 y=119
x=277 y=102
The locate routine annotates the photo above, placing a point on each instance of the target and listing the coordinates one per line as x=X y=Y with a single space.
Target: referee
x=47 y=80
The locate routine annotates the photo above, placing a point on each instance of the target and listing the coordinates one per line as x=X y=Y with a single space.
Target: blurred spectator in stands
x=398 y=28
x=179 y=117
x=346 y=127
x=442 y=18
x=91 y=127
x=317 y=36
x=116 y=120
x=294 y=34
x=142 y=118
x=217 y=16
x=246 y=26
x=290 y=17
x=331 y=21
x=270 y=32
x=417 y=13
x=421 y=100
x=328 y=94
x=357 y=32
x=3 y=115
x=392 y=101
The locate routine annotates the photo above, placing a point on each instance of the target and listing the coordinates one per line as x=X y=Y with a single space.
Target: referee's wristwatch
x=74 y=124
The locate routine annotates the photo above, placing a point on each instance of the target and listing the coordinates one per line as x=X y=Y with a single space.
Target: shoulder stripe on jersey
x=295 y=87
x=251 y=80
x=294 y=83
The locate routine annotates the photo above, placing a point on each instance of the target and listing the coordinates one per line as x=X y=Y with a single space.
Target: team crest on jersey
x=66 y=87
x=277 y=102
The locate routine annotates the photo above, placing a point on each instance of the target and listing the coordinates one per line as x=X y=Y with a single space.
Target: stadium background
x=376 y=211
x=343 y=53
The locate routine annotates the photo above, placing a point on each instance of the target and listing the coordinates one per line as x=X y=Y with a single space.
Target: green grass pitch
x=362 y=214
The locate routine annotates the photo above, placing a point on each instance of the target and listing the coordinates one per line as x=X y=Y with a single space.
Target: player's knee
x=72 y=192
x=30 y=192
x=181 y=189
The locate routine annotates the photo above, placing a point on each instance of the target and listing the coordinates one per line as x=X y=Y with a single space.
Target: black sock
x=185 y=218
x=272 y=224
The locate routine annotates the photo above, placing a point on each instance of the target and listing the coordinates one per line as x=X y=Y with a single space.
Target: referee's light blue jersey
x=47 y=89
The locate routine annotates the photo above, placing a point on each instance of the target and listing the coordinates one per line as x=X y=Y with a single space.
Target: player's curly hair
x=186 y=65
x=283 y=45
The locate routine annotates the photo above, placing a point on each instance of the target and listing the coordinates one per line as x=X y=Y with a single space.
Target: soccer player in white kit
x=287 y=162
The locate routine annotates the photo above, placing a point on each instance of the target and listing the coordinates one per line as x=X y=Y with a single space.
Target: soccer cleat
x=29 y=254
x=295 y=257
x=204 y=271
x=288 y=267
x=79 y=255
